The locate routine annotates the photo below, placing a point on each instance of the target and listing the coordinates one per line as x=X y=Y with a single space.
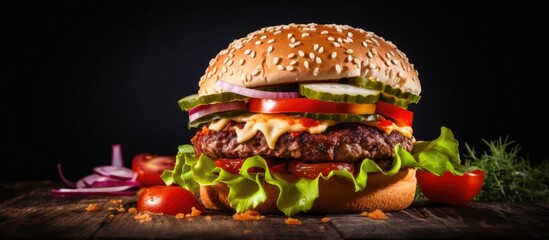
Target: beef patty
x=345 y=142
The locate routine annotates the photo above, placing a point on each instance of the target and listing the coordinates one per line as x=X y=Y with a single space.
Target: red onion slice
x=120 y=173
x=203 y=110
x=113 y=191
x=254 y=93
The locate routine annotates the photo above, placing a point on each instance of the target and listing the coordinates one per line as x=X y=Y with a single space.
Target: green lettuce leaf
x=298 y=194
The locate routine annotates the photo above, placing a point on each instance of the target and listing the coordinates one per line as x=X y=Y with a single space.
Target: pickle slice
x=216 y=116
x=403 y=103
x=194 y=100
x=377 y=85
x=342 y=117
x=338 y=92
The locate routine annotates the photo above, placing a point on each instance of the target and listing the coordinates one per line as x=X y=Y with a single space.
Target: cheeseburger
x=307 y=118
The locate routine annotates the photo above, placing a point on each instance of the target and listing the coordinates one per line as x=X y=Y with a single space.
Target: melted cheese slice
x=274 y=125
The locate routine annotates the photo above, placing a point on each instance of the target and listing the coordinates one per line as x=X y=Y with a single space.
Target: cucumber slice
x=338 y=92
x=207 y=119
x=342 y=117
x=403 y=103
x=194 y=100
x=377 y=85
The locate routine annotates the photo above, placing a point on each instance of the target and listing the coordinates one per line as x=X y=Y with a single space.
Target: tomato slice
x=312 y=170
x=149 y=168
x=233 y=165
x=300 y=105
x=169 y=200
x=450 y=189
x=400 y=116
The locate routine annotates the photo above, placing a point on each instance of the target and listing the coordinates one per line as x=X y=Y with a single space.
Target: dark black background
x=79 y=76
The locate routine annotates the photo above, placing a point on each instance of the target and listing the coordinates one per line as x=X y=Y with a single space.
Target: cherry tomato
x=287 y=105
x=169 y=200
x=312 y=170
x=450 y=189
x=401 y=116
x=233 y=165
x=149 y=168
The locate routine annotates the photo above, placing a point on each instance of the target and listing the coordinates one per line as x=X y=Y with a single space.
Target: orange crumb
x=93 y=207
x=179 y=215
x=111 y=215
x=292 y=221
x=132 y=210
x=208 y=218
x=115 y=201
x=121 y=209
x=145 y=217
x=325 y=219
x=377 y=214
x=248 y=215
x=195 y=212
x=247 y=231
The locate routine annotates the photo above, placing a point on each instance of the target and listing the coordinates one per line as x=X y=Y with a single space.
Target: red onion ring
x=203 y=110
x=254 y=93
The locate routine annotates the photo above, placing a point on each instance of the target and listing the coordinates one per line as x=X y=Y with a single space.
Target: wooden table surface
x=28 y=211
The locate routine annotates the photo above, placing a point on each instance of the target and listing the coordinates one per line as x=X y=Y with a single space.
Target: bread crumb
x=179 y=215
x=247 y=231
x=325 y=219
x=292 y=221
x=143 y=217
x=111 y=216
x=248 y=215
x=121 y=209
x=115 y=201
x=376 y=214
x=132 y=210
x=195 y=212
x=208 y=218
x=190 y=219
x=93 y=207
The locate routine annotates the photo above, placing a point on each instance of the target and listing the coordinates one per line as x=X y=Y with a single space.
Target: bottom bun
x=336 y=195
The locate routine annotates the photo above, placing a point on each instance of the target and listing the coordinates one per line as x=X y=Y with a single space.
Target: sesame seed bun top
x=309 y=53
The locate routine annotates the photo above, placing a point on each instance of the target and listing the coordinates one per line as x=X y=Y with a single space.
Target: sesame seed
x=275 y=60
x=401 y=74
x=305 y=35
x=297 y=44
x=258 y=42
x=214 y=70
x=339 y=30
x=312 y=55
x=293 y=62
x=252 y=54
x=388 y=63
x=364 y=44
x=289 y=68
x=270 y=49
x=277 y=32
x=230 y=62
x=271 y=40
x=374 y=51
x=321 y=50
x=280 y=67
x=290 y=35
x=315 y=72
x=333 y=55
x=239 y=46
x=324 y=32
x=291 y=55
x=255 y=72
x=212 y=61
x=331 y=38
x=370 y=55
x=348 y=40
x=349 y=51
x=395 y=62
x=248 y=51
x=349 y=58
x=339 y=40
x=336 y=44
x=356 y=61
x=231 y=55
x=350 y=34
x=232 y=51
x=209 y=75
x=286 y=27
x=318 y=60
x=224 y=69
x=225 y=60
x=306 y=64
x=292 y=40
x=301 y=53
x=315 y=47
x=387 y=55
x=372 y=65
x=338 y=68
x=224 y=51
x=263 y=37
x=365 y=62
x=241 y=62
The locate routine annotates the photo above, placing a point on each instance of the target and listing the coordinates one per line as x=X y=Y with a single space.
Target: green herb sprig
x=509 y=176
